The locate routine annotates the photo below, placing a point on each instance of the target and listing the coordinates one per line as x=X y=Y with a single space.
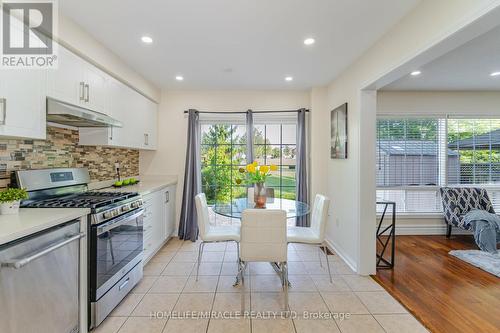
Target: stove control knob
x=125 y=208
x=135 y=204
x=108 y=215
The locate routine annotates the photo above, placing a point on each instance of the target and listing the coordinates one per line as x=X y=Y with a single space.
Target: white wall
x=469 y=103
x=320 y=142
x=435 y=103
x=170 y=157
x=79 y=41
x=351 y=182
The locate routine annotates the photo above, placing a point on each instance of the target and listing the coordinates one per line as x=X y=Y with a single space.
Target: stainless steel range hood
x=77 y=116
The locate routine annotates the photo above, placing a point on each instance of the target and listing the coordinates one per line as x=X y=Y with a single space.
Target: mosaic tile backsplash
x=61 y=149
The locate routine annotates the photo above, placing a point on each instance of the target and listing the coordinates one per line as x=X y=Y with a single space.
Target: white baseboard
x=351 y=263
x=422 y=229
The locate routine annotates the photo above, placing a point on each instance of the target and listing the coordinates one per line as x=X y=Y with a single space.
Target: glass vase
x=260 y=195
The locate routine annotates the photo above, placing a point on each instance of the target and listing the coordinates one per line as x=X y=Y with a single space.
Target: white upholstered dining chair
x=209 y=233
x=315 y=234
x=264 y=239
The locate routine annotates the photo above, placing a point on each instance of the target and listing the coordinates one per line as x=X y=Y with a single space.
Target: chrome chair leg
x=242 y=280
x=239 y=275
x=200 y=253
x=328 y=262
x=319 y=256
x=284 y=272
x=238 y=254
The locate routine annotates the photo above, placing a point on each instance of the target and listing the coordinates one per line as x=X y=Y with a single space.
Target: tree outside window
x=223 y=152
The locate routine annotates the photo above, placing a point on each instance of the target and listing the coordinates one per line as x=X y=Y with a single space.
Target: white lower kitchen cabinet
x=22 y=103
x=159 y=220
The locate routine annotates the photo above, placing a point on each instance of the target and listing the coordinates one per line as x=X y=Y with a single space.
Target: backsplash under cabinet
x=61 y=149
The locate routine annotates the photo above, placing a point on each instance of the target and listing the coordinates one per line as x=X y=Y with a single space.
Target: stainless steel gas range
x=115 y=229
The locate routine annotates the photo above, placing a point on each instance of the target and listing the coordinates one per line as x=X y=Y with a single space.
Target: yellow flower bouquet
x=257 y=175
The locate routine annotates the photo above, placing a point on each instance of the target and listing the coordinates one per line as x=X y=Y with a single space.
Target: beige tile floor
x=169 y=287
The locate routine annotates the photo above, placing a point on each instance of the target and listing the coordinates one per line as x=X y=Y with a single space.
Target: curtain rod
x=243 y=112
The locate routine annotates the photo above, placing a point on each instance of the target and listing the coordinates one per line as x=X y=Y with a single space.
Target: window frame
x=443 y=172
x=232 y=167
x=259 y=120
x=281 y=146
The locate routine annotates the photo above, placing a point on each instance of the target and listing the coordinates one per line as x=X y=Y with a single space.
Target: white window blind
x=407 y=152
x=477 y=143
x=415 y=156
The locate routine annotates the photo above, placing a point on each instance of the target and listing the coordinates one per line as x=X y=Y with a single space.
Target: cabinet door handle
x=3 y=106
x=111 y=134
x=82 y=91
x=146 y=139
x=87 y=88
x=167 y=197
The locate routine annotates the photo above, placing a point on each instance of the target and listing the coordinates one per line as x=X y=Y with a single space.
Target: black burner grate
x=84 y=200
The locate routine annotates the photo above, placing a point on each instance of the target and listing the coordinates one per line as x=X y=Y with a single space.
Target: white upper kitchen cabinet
x=145 y=121
x=137 y=114
x=78 y=82
x=22 y=103
x=96 y=89
x=67 y=82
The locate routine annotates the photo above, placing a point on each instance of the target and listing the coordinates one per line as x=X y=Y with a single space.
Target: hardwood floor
x=443 y=292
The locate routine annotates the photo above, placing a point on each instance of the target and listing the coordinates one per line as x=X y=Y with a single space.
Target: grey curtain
x=188 y=225
x=302 y=193
x=249 y=122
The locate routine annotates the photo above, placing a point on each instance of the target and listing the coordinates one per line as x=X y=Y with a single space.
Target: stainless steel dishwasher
x=39 y=282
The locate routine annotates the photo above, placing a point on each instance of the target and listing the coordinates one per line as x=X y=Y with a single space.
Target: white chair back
x=319 y=215
x=202 y=214
x=263 y=235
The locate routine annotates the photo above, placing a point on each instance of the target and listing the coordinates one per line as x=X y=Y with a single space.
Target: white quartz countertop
x=32 y=220
x=147 y=185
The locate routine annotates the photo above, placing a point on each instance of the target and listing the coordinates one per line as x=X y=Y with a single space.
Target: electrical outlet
x=117 y=165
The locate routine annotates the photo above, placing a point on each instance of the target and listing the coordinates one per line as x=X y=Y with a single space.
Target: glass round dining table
x=293 y=208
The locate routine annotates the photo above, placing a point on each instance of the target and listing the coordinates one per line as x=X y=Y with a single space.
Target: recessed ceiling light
x=179 y=78
x=288 y=78
x=495 y=74
x=416 y=73
x=147 y=39
x=309 y=41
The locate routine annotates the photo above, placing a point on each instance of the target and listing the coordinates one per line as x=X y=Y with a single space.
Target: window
x=476 y=143
x=276 y=144
x=417 y=155
x=407 y=152
x=223 y=152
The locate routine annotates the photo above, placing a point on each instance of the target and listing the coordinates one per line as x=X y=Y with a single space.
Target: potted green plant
x=10 y=200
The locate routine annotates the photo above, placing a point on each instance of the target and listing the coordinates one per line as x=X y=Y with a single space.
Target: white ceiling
x=238 y=44
x=468 y=67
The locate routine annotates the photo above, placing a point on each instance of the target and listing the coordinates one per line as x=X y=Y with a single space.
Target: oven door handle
x=113 y=224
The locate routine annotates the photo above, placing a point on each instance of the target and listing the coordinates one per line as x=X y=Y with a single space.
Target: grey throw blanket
x=486 y=227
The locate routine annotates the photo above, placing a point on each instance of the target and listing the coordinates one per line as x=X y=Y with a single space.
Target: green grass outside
x=288 y=192
x=274 y=181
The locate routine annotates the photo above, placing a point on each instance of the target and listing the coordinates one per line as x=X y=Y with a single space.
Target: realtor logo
x=27 y=34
